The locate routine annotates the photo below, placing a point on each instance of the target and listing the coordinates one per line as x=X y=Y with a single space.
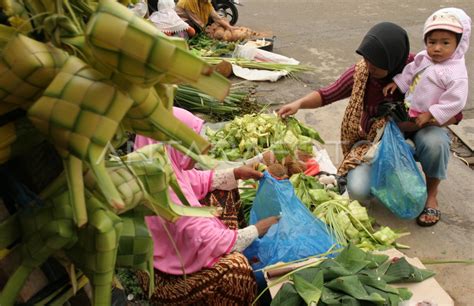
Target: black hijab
x=386 y=46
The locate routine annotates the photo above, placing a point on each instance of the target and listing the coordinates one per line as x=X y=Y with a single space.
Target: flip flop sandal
x=429 y=212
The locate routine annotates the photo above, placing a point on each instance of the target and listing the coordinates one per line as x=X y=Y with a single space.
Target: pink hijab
x=200 y=241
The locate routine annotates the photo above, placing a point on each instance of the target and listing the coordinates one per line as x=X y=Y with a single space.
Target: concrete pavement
x=325 y=35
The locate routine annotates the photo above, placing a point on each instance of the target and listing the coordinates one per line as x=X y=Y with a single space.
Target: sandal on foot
x=428 y=211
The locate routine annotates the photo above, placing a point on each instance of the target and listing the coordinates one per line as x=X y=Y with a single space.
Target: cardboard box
x=428 y=290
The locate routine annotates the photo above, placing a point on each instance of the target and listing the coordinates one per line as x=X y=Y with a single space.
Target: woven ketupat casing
x=166 y=92
x=45 y=231
x=95 y=252
x=49 y=229
x=128 y=44
x=154 y=176
x=27 y=67
x=150 y=117
x=7 y=138
x=135 y=246
x=128 y=186
x=152 y=167
x=80 y=110
x=126 y=183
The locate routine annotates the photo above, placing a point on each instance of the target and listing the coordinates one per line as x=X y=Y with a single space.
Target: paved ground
x=325 y=34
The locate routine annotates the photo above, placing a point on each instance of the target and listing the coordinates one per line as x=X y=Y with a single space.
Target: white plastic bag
x=257 y=74
x=324 y=161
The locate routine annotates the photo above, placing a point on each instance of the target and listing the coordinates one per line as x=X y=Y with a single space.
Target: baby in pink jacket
x=436 y=83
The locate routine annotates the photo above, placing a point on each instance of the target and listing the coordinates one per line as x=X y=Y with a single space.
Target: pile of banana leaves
x=354 y=277
x=247 y=136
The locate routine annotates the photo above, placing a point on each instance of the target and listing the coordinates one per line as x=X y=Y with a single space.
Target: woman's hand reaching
x=289 y=109
x=247 y=172
x=264 y=225
x=311 y=100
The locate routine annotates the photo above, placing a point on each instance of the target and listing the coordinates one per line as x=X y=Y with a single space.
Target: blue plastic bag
x=395 y=179
x=297 y=235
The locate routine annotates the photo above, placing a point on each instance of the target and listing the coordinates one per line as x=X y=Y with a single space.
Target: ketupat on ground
x=325 y=34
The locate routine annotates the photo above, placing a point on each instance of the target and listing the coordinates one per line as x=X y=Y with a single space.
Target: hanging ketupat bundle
x=80 y=112
x=50 y=228
x=136 y=246
x=161 y=59
x=27 y=67
x=138 y=51
x=127 y=185
x=44 y=231
x=64 y=85
x=95 y=252
x=153 y=173
x=150 y=116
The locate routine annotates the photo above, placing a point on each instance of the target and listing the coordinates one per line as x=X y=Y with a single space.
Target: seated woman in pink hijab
x=205 y=249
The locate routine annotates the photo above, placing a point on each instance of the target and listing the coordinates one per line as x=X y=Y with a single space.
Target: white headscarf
x=166 y=19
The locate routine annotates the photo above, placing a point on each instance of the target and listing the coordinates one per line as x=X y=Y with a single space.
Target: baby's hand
x=389 y=88
x=423 y=119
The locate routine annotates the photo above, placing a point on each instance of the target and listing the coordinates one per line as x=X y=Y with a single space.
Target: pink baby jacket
x=443 y=87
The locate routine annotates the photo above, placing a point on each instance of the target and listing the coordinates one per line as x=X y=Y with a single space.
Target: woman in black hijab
x=385 y=51
x=386 y=46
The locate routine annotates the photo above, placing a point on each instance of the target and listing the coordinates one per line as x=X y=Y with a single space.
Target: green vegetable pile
x=350 y=223
x=309 y=190
x=247 y=136
x=203 y=45
x=347 y=219
x=354 y=277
